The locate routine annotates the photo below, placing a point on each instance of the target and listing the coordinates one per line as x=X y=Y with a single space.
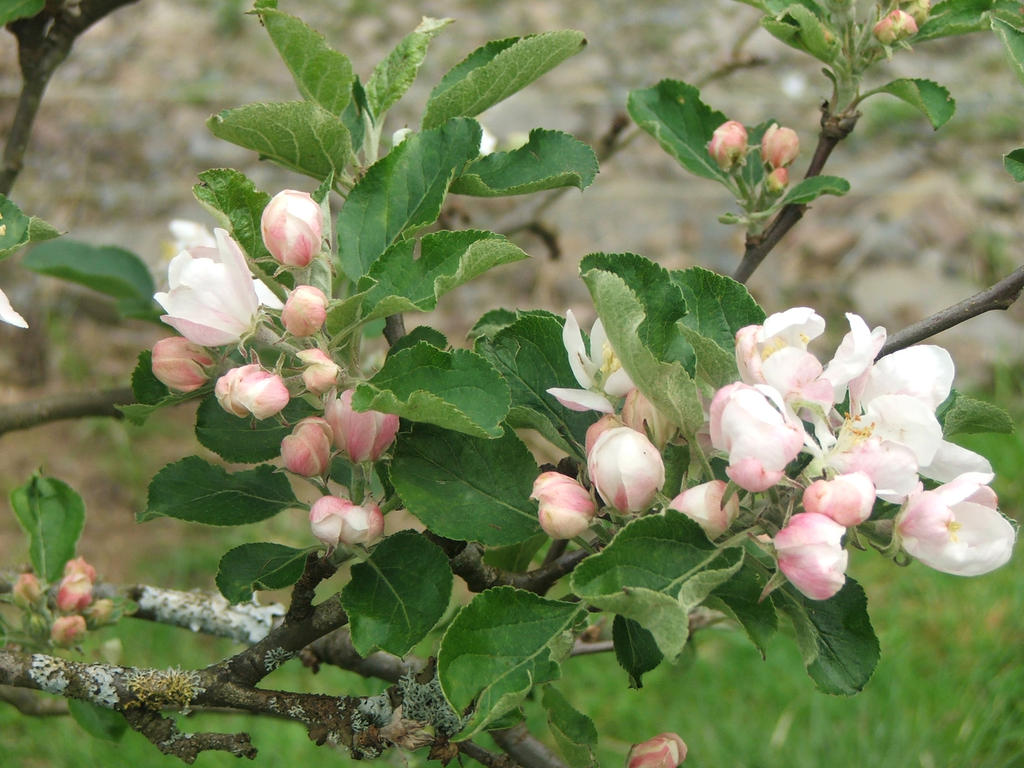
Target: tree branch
x=1002 y=295
x=525 y=749
x=478 y=575
x=63 y=406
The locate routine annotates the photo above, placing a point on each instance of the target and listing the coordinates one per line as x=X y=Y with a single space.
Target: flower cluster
x=219 y=307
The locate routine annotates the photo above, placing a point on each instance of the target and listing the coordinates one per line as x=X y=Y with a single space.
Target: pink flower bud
x=626 y=469
x=67 y=630
x=305 y=311
x=74 y=592
x=847 y=499
x=598 y=428
x=666 y=750
x=179 y=363
x=27 y=590
x=336 y=521
x=307 y=450
x=811 y=554
x=566 y=507
x=100 y=612
x=640 y=414
x=895 y=26
x=292 y=226
x=728 y=145
x=249 y=389
x=362 y=435
x=779 y=146
x=79 y=565
x=321 y=373
x=776 y=181
x=703 y=504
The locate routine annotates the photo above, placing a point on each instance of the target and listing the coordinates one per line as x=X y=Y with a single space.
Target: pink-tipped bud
x=895 y=26
x=180 y=364
x=362 y=435
x=918 y=10
x=776 y=181
x=100 y=612
x=703 y=504
x=67 y=630
x=811 y=554
x=292 y=226
x=626 y=469
x=321 y=373
x=337 y=521
x=779 y=146
x=74 y=592
x=79 y=565
x=728 y=145
x=27 y=590
x=566 y=508
x=666 y=750
x=249 y=389
x=307 y=450
x=640 y=414
x=598 y=428
x=305 y=311
x=847 y=499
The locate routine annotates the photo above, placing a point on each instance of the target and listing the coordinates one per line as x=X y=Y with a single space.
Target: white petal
x=906 y=420
x=7 y=313
x=951 y=461
x=581 y=400
x=854 y=355
x=582 y=367
x=795 y=326
x=924 y=371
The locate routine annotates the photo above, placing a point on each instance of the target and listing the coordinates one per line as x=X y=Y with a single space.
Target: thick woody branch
x=478 y=575
x=71 y=405
x=1002 y=295
x=525 y=749
x=337 y=649
x=32 y=703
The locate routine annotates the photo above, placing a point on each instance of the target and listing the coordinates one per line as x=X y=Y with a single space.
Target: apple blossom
x=598 y=428
x=27 y=590
x=666 y=750
x=640 y=414
x=599 y=373
x=79 y=565
x=361 y=435
x=703 y=504
x=918 y=10
x=249 y=389
x=75 y=591
x=8 y=313
x=895 y=26
x=626 y=469
x=307 y=450
x=956 y=528
x=67 y=630
x=728 y=145
x=180 y=364
x=305 y=311
x=811 y=555
x=779 y=146
x=336 y=521
x=847 y=499
x=292 y=226
x=321 y=373
x=566 y=508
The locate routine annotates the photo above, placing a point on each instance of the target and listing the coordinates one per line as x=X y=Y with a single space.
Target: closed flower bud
x=666 y=750
x=598 y=428
x=362 y=435
x=336 y=521
x=918 y=10
x=67 y=630
x=895 y=26
x=779 y=146
x=847 y=499
x=74 y=592
x=79 y=565
x=249 y=389
x=703 y=504
x=811 y=554
x=321 y=373
x=728 y=145
x=100 y=612
x=292 y=226
x=305 y=311
x=566 y=508
x=27 y=591
x=776 y=181
x=640 y=414
x=179 y=363
x=626 y=469
x=307 y=450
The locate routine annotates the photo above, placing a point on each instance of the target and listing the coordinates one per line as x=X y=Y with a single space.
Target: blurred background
x=932 y=217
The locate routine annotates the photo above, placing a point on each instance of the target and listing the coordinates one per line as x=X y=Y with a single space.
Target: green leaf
x=104 y=268
x=18 y=230
x=392 y=77
x=531 y=357
x=298 y=135
x=458 y=390
x=965 y=415
x=398 y=594
x=835 y=637
x=655 y=571
x=498 y=647
x=245 y=439
x=673 y=113
x=1013 y=41
x=802 y=28
x=231 y=197
x=495 y=71
x=717 y=306
x=251 y=567
x=12 y=10
x=321 y=73
x=52 y=515
x=400 y=282
x=635 y=649
x=929 y=97
x=955 y=17
x=402 y=192
x=467 y=488
x=550 y=159
x=97 y=721
x=1013 y=161
x=573 y=731
x=740 y=598
x=146 y=387
x=195 y=490
x=814 y=187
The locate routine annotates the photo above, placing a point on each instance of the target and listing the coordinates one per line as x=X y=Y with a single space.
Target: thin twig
x=70 y=405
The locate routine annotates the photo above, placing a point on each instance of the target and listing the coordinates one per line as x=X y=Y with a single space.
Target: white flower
x=7 y=313
x=600 y=373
